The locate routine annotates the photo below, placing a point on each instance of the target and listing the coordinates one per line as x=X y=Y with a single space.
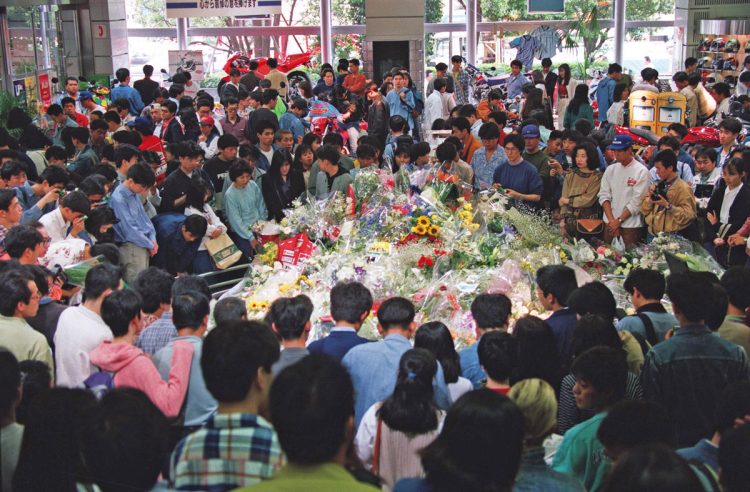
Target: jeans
x=203 y=263
x=244 y=245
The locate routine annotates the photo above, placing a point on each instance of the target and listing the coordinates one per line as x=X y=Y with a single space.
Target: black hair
x=723 y=89
x=707 y=152
x=290 y=315
x=189 y=310
x=323 y=388
x=411 y=408
x=232 y=354
x=33 y=138
x=6 y=197
x=734 y=455
x=732 y=125
x=328 y=153
x=558 y=280
x=98 y=125
x=446 y=152
x=109 y=251
x=100 y=279
x=537 y=351
x=479 y=447
x=36 y=378
x=55 y=175
x=436 y=337
x=309 y=138
x=93 y=184
x=125 y=153
x=517 y=141
x=154 y=286
x=581 y=96
x=238 y=169
x=119 y=309
x=634 y=423
x=229 y=309
x=227 y=140
x=488 y=131
x=463 y=124
x=12 y=168
x=125 y=442
x=142 y=174
x=439 y=84
x=650 y=283
x=349 y=301
x=196 y=225
x=185 y=284
x=77 y=202
x=670 y=142
x=516 y=63
x=170 y=105
x=397 y=123
x=606 y=369
x=396 y=312
x=333 y=139
x=175 y=90
x=268 y=95
x=130 y=138
x=41 y=277
x=653 y=467
x=498 y=354
x=719 y=302
x=491 y=310
x=54 y=110
x=100 y=216
x=735 y=282
x=687 y=291
x=20 y=238
x=614 y=68
x=51 y=440
x=365 y=151
x=690 y=61
x=196 y=194
x=592 y=156
x=10 y=381
x=14 y=288
x=667 y=158
x=80 y=133
x=593 y=298
x=419 y=149
x=188 y=149
x=592 y=330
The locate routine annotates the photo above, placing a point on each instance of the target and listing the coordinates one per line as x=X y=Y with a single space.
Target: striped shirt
x=461 y=82
x=230 y=451
x=569 y=415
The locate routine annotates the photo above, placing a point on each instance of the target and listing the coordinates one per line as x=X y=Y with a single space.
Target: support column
x=109 y=35
x=182 y=35
x=326 y=46
x=619 y=29
x=471 y=31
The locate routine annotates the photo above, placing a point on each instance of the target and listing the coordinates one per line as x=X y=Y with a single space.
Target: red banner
x=45 y=90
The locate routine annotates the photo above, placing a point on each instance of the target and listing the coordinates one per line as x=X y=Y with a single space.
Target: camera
x=659 y=191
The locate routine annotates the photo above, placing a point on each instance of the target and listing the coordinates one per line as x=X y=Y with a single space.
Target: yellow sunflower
x=433 y=231
x=465 y=215
x=423 y=221
x=421 y=230
x=414 y=230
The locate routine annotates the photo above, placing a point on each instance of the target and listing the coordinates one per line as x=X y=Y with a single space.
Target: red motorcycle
x=706 y=136
x=287 y=65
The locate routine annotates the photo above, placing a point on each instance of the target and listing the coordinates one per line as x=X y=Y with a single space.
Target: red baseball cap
x=207 y=120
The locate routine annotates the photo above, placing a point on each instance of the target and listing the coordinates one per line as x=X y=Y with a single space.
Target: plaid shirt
x=230 y=451
x=157 y=335
x=461 y=83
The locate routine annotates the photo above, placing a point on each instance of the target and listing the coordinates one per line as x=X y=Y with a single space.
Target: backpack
x=100 y=383
x=418 y=103
x=651 y=339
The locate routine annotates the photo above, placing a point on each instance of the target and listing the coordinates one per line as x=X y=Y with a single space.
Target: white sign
x=213 y=8
x=100 y=31
x=187 y=61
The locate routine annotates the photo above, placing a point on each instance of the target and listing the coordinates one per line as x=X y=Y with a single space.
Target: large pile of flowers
x=432 y=246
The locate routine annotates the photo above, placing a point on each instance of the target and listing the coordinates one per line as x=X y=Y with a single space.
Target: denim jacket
x=687 y=373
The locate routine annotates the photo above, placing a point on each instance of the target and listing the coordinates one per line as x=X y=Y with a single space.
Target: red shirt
x=81 y=120
x=501 y=391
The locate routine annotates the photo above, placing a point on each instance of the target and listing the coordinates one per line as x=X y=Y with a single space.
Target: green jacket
x=328 y=477
x=585 y=112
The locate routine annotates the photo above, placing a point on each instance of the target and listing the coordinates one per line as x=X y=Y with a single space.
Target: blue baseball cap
x=85 y=95
x=531 y=131
x=621 y=142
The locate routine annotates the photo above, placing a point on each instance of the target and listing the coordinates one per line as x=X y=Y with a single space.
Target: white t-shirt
x=268 y=154
x=79 y=331
x=726 y=204
x=624 y=187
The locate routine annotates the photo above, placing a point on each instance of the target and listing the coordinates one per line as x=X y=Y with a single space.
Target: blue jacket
x=470 y=368
x=563 y=323
x=124 y=91
x=336 y=344
x=175 y=253
x=605 y=96
x=687 y=373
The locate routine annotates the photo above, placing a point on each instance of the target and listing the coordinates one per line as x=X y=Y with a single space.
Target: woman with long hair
x=282 y=185
x=579 y=199
x=616 y=112
x=303 y=160
x=479 y=448
x=436 y=337
x=198 y=203
x=537 y=352
x=726 y=219
x=392 y=432
x=534 y=107
x=579 y=108
x=323 y=90
x=564 y=90
x=189 y=120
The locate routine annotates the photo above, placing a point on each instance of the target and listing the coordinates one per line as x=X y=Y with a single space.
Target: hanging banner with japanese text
x=213 y=8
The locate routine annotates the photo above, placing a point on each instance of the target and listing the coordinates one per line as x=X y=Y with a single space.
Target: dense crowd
x=120 y=384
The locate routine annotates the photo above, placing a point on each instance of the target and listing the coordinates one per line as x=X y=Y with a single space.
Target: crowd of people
x=120 y=384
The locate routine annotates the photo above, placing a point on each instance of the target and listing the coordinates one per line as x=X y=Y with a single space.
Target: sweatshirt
x=132 y=368
x=623 y=187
